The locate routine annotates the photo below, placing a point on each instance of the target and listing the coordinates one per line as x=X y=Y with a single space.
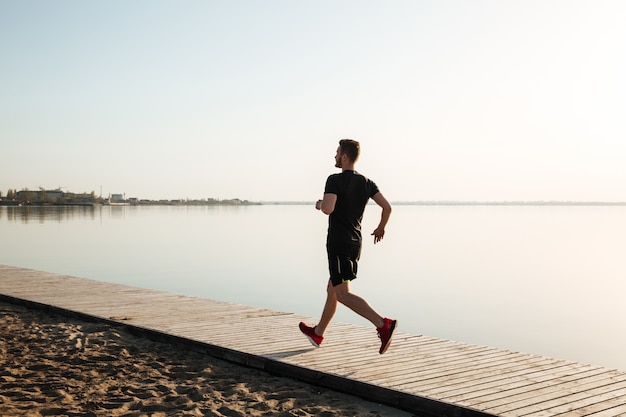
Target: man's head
x=348 y=152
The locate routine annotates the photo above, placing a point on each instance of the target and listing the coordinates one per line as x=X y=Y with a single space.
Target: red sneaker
x=310 y=333
x=385 y=333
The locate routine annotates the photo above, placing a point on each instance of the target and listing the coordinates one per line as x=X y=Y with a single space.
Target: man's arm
x=379 y=233
x=327 y=204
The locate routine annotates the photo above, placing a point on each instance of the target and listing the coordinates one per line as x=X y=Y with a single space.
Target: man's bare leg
x=355 y=303
x=329 y=310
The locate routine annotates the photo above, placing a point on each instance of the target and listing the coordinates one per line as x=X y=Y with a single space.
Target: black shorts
x=343 y=263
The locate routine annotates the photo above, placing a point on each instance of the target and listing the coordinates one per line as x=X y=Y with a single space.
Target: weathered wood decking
x=418 y=373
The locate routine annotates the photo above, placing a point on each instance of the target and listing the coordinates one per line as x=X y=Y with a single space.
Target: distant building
x=117 y=198
x=54 y=194
x=40 y=195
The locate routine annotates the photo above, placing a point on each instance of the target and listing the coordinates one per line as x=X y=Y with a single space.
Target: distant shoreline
x=512 y=203
x=229 y=203
x=304 y=203
x=471 y=203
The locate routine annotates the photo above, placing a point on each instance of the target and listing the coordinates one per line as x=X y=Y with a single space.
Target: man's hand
x=378 y=234
x=318 y=205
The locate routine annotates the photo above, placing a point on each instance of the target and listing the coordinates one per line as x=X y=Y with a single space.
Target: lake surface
x=548 y=280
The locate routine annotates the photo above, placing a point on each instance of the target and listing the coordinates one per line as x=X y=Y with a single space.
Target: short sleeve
x=372 y=188
x=331 y=185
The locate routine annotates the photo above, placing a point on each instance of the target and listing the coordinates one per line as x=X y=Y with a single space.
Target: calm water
x=548 y=280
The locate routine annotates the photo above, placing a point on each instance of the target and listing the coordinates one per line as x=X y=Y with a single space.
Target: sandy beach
x=52 y=365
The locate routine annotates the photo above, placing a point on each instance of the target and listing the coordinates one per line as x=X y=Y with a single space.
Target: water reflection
x=41 y=214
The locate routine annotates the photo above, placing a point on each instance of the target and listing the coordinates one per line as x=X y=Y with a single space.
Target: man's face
x=338 y=157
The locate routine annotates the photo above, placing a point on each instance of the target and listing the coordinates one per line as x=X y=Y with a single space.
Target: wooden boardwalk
x=421 y=374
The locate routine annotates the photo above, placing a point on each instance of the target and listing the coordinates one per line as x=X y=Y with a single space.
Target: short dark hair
x=351 y=148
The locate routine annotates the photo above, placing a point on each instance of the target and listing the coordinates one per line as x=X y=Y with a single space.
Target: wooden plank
x=617 y=411
x=439 y=374
x=521 y=385
x=598 y=399
x=547 y=392
x=469 y=375
x=473 y=379
x=555 y=386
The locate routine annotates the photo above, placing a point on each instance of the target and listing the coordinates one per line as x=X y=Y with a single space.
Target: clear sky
x=451 y=100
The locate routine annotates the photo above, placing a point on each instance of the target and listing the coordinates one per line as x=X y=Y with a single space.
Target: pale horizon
x=451 y=100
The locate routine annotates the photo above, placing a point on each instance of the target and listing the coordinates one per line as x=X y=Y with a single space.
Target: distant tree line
x=59 y=197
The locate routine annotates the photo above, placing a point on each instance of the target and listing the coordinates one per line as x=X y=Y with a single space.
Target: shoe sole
x=384 y=348
x=312 y=341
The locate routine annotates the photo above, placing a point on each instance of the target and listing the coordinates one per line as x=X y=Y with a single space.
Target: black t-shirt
x=353 y=191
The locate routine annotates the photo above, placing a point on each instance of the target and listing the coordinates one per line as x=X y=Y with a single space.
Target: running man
x=345 y=197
